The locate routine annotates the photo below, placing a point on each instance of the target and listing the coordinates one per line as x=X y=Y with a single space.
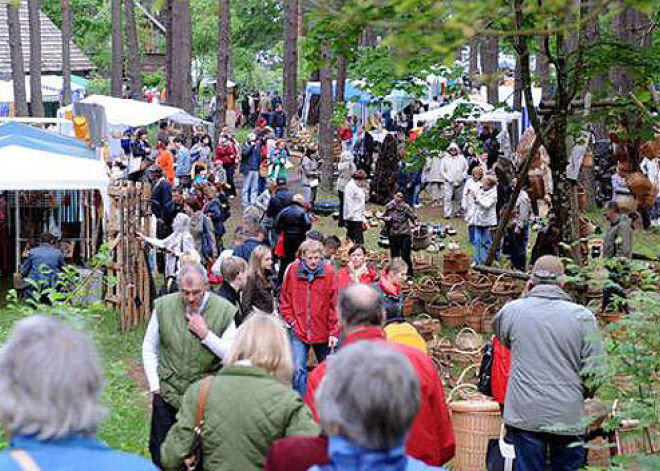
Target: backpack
x=207 y=242
x=486 y=370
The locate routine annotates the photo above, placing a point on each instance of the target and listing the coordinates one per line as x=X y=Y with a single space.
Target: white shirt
x=220 y=346
x=453 y=169
x=354 y=202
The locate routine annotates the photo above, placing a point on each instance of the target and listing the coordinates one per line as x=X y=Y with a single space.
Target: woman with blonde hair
x=249 y=405
x=258 y=290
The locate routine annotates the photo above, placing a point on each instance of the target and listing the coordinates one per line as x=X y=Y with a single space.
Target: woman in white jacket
x=433 y=177
x=470 y=190
x=484 y=218
x=346 y=168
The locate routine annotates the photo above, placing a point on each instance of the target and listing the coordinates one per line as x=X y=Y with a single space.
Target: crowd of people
x=266 y=352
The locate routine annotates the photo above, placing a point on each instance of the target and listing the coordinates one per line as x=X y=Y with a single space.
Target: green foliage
x=98 y=85
x=446 y=130
x=629 y=373
x=154 y=79
x=340 y=113
x=91 y=27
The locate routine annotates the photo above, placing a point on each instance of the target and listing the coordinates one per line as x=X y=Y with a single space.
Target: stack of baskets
x=455 y=261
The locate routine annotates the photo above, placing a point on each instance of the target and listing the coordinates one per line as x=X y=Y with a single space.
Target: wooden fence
x=130 y=213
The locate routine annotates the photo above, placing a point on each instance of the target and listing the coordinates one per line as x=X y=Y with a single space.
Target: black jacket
x=280 y=200
x=293 y=220
x=161 y=201
x=230 y=294
x=278 y=119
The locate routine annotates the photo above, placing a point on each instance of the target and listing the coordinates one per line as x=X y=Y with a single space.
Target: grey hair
x=371 y=394
x=50 y=380
x=196 y=269
x=360 y=305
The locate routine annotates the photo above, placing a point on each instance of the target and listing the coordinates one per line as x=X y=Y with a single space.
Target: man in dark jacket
x=280 y=199
x=399 y=218
x=250 y=159
x=44 y=262
x=293 y=223
x=278 y=120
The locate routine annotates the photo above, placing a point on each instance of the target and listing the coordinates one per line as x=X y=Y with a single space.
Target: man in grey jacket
x=554 y=343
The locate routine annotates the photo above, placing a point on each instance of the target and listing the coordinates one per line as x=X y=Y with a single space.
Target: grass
x=126 y=426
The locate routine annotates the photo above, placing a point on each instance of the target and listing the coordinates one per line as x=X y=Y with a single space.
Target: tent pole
x=17 y=215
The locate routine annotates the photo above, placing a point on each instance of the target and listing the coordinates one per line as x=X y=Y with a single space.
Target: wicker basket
x=436 y=306
x=469 y=345
x=506 y=288
x=476 y=419
x=479 y=284
x=426 y=326
x=456 y=296
x=456 y=261
x=475 y=314
x=427 y=289
x=449 y=282
x=453 y=315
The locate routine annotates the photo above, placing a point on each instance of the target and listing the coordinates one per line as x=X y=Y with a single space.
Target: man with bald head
x=554 y=343
x=362 y=312
x=188 y=336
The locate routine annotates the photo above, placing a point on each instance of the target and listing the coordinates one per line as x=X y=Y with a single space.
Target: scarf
x=307 y=272
x=357 y=273
x=346 y=456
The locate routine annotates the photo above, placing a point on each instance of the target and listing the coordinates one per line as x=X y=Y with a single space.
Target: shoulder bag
x=486 y=370
x=194 y=460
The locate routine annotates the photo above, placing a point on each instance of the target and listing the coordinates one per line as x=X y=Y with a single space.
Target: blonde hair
x=310 y=245
x=256 y=259
x=262 y=340
x=190 y=257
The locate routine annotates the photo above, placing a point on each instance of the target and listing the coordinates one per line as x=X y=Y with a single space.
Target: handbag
x=486 y=371
x=207 y=242
x=279 y=246
x=501 y=454
x=194 y=460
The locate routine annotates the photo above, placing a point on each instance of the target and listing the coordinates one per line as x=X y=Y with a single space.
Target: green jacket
x=183 y=357
x=246 y=411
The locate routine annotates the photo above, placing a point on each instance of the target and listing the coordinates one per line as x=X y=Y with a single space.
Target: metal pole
x=17 y=215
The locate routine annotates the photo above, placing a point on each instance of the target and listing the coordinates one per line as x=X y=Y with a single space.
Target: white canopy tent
x=431 y=116
x=51 y=89
x=133 y=113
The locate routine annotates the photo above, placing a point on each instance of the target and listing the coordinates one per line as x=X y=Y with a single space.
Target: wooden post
x=508 y=209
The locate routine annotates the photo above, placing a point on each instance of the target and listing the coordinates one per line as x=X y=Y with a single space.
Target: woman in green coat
x=249 y=406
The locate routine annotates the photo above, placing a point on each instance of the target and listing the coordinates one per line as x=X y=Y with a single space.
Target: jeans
x=401 y=246
x=519 y=249
x=341 y=208
x=300 y=351
x=250 y=187
x=482 y=241
x=472 y=229
x=531 y=448
x=309 y=194
x=163 y=417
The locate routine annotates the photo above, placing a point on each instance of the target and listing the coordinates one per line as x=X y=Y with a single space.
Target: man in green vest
x=189 y=334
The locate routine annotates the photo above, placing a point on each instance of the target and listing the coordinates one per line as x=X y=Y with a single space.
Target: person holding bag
x=249 y=406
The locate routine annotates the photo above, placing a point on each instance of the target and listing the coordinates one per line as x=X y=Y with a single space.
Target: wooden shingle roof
x=51 y=45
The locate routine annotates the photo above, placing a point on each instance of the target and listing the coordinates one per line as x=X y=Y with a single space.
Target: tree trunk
x=223 y=63
x=179 y=87
x=290 y=69
x=517 y=87
x=340 y=96
x=169 y=45
x=67 y=34
x=473 y=67
x=116 y=68
x=489 y=67
x=36 y=100
x=543 y=71
x=16 y=55
x=134 y=66
x=325 y=123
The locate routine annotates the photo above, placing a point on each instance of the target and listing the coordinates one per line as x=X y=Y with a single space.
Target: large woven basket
x=476 y=419
x=453 y=315
x=455 y=261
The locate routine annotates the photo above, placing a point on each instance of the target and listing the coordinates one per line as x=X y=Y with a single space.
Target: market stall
x=51 y=183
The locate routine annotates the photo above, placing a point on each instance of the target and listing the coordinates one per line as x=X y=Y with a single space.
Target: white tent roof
x=34 y=159
x=51 y=88
x=133 y=113
x=432 y=116
x=498 y=115
x=32 y=169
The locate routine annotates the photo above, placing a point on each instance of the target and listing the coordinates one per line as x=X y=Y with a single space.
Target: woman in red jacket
x=357 y=270
x=226 y=154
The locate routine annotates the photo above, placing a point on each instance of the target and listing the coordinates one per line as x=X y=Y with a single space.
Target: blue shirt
x=77 y=452
x=183 y=163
